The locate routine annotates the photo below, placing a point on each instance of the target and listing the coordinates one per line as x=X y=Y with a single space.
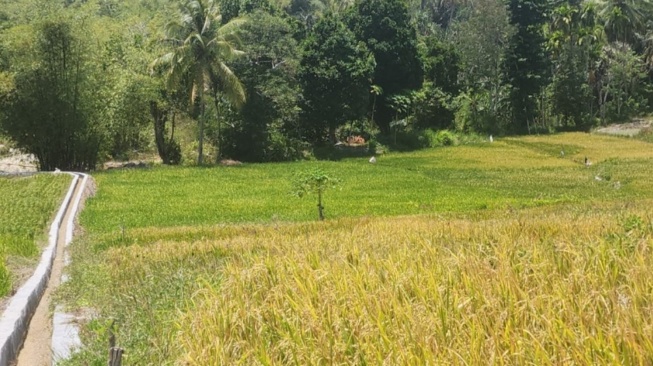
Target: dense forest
x=82 y=81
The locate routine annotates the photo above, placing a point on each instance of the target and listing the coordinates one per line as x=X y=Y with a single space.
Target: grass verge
x=27 y=204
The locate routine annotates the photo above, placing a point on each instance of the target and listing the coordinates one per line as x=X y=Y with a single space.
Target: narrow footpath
x=36 y=350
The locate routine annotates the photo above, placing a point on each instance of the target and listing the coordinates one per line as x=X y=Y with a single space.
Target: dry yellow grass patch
x=597 y=147
x=550 y=287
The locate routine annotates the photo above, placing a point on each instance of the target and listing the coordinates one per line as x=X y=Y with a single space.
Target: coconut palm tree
x=198 y=60
x=623 y=18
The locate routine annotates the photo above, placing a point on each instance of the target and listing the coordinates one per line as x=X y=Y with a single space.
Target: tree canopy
x=270 y=80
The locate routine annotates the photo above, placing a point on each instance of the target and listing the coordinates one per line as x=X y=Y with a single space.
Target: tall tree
x=386 y=28
x=574 y=44
x=335 y=76
x=623 y=19
x=620 y=81
x=50 y=111
x=432 y=105
x=268 y=71
x=202 y=48
x=527 y=66
x=483 y=40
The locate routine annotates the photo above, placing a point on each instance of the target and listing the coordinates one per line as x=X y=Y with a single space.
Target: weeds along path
x=36 y=350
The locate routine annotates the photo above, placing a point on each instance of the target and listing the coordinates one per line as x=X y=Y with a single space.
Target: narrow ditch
x=36 y=350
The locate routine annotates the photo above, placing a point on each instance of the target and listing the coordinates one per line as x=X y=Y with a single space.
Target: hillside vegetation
x=198 y=81
x=505 y=252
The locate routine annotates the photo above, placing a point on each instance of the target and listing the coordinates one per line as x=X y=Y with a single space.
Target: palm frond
x=230 y=85
x=233 y=26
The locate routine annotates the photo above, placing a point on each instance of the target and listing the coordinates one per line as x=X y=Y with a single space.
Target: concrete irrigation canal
x=28 y=335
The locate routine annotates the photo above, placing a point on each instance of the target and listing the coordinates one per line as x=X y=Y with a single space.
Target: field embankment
x=510 y=252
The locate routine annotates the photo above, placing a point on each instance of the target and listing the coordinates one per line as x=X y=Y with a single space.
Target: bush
x=451 y=138
x=360 y=128
x=173 y=150
x=446 y=138
x=404 y=140
x=284 y=148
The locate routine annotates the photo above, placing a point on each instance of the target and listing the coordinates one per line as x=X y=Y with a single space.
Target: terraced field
x=27 y=205
x=502 y=253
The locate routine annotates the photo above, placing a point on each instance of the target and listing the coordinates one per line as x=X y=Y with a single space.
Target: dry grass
x=556 y=289
x=540 y=286
x=523 y=256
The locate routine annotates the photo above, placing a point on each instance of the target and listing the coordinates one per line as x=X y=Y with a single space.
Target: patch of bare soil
x=229 y=162
x=17 y=162
x=626 y=129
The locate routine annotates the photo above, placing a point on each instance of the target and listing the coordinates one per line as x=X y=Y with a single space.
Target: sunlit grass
x=27 y=204
x=511 y=173
x=502 y=253
x=536 y=286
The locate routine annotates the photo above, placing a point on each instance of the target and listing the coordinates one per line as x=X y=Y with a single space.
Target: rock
x=230 y=162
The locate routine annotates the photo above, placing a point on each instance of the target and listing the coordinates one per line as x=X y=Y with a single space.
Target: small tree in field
x=314 y=182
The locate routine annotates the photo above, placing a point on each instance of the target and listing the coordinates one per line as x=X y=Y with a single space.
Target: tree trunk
x=200 y=148
x=217 y=117
x=160 y=116
x=332 y=134
x=320 y=208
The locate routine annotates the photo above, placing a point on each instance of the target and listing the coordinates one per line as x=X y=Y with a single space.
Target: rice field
x=27 y=205
x=523 y=256
x=510 y=173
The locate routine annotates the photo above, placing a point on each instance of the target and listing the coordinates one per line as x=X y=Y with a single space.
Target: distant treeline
x=270 y=80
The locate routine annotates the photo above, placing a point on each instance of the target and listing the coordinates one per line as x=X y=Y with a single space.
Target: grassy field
x=512 y=173
x=27 y=205
x=503 y=253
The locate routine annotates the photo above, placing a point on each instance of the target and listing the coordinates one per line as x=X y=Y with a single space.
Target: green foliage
x=482 y=40
x=334 y=74
x=527 y=63
x=128 y=113
x=229 y=9
x=314 y=181
x=482 y=111
x=262 y=129
x=444 y=138
x=198 y=62
x=487 y=66
x=570 y=94
x=621 y=84
x=432 y=104
x=386 y=29
x=51 y=113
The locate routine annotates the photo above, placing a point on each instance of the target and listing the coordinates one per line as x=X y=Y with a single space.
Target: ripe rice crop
x=538 y=286
x=502 y=253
